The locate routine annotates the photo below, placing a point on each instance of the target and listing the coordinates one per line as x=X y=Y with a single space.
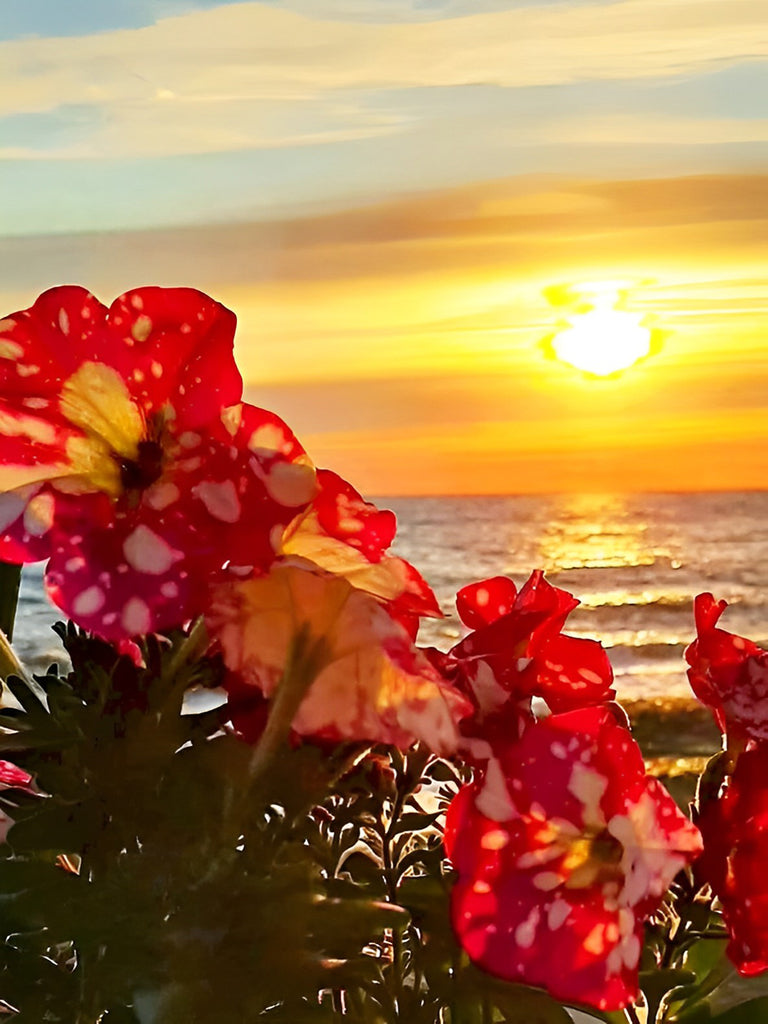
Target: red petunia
x=371 y=683
x=126 y=460
x=563 y=846
x=728 y=673
x=516 y=651
x=735 y=831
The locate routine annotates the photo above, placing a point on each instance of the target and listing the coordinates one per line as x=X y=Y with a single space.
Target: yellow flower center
x=113 y=452
x=593 y=857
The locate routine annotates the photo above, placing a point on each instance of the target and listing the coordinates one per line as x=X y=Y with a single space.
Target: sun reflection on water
x=594 y=531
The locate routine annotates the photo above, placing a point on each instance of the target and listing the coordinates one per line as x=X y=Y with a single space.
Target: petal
x=343 y=513
x=347 y=536
x=373 y=684
x=118 y=573
x=174 y=347
x=728 y=673
x=518 y=639
x=735 y=830
x=553 y=605
x=481 y=603
x=344 y=534
x=11 y=775
x=569 y=672
x=41 y=346
x=26 y=517
x=146 y=562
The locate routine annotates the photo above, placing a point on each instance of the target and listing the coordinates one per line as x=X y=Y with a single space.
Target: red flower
x=344 y=534
x=372 y=683
x=735 y=831
x=125 y=461
x=563 y=847
x=728 y=673
x=516 y=651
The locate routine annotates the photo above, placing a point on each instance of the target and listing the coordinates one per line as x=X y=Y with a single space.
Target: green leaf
x=414 y=822
x=655 y=984
x=26 y=696
x=519 y=1004
x=752 y=1012
x=722 y=990
x=365 y=869
x=443 y=771
x=703 y=956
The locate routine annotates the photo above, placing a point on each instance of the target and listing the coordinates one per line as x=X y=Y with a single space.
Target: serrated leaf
x=412 y=821
x=363 y=868
x=26 y=696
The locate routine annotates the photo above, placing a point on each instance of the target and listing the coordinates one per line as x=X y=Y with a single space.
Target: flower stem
x=190 y=649
x=306 y=658
x=10 y=579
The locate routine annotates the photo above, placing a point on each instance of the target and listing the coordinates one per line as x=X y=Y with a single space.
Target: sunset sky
x=394 y=196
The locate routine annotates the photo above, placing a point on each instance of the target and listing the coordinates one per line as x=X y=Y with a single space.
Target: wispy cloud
x=250 y=75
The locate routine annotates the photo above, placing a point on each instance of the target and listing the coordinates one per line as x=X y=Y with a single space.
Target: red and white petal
x=517 y=933
x=728 y=673
x=518 y=638
x=174 y=347
x=343 y=513
x=416 y=600
x=480 y=604
x=26 y=518
x=250 y=492
x=43 y=345
x=569 y=672
x=146 y=562
x=122 y=580
x=345 y=535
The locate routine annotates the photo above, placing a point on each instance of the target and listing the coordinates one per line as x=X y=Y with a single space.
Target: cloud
x=171 y=126
x=249 y=75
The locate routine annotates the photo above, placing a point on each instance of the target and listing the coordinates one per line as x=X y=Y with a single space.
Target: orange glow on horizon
x=404 y=342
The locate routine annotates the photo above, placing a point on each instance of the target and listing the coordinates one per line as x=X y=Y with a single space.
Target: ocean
x=634 y=561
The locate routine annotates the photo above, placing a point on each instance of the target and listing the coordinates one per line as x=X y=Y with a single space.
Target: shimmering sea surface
x=634 y=561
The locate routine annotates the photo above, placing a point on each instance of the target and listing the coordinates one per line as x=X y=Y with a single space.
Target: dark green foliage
x=148 y=881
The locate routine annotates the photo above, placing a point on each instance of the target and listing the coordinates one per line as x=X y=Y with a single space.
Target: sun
x=603 y=340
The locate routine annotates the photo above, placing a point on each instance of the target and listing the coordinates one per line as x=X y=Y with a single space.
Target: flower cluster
x=158 y=497
x=729 y=674
x=562 y=843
